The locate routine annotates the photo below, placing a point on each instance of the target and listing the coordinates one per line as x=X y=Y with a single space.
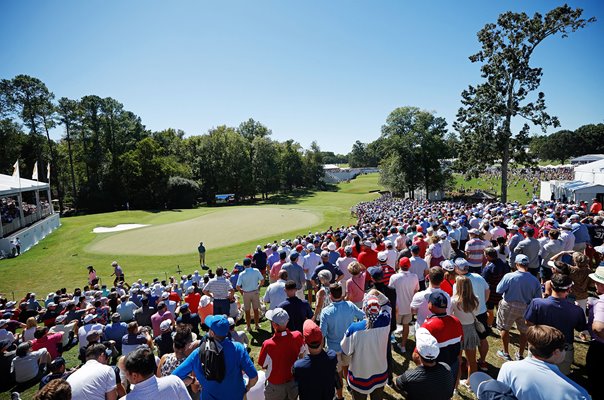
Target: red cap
x=311 y=332
x=404 y=262
x=249 y=256
x=299 y=248
x=420 y=228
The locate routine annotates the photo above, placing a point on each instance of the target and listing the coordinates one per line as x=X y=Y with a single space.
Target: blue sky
x=329 y=71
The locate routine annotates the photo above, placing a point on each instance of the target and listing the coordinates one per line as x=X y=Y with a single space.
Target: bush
x=182 y=192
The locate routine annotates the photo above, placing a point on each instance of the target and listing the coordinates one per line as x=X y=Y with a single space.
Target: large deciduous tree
x=485 y=119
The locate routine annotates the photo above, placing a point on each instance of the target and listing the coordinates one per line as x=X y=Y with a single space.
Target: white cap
x=89 y=318
x=331 y=246
x=426 y=344
x=382 y=256
x=60 y=318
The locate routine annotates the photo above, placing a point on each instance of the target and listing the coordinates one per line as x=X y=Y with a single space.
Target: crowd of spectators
x=428 y=280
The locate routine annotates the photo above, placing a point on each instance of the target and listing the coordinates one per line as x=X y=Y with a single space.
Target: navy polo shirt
x=298 y=311
x=558 y=313
x=316 y=376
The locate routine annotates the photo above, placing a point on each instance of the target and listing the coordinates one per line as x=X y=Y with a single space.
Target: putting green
x=217 y=229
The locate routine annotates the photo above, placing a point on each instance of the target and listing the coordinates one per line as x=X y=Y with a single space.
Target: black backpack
x=211 y=356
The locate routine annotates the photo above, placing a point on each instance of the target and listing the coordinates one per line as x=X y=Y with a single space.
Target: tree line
x=107 y=159
x=566 y=144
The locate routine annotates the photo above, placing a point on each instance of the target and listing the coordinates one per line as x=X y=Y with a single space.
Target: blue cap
x=376 y=273
x=247 y=261
x=522 y=259
x=438 y=299
x=294 y=255
x=218 y=323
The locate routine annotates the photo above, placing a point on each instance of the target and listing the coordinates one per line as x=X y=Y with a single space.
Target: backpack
x=211 y=356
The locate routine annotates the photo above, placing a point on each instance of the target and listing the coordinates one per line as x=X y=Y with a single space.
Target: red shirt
x=448 y=332
x=596 y=207
x=388 y=271
x=50 y=341
x=193 y=301
x=174 y=297
x=368 y=258
x=423 y=246
x=278 y=355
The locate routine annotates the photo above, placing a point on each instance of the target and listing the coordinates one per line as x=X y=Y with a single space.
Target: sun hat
x=278 y=315
x=426 y=344
x=219 y=324
x=331 y=246
x=598 y=276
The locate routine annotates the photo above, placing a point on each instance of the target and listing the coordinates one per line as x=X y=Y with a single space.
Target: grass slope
x=493 y=185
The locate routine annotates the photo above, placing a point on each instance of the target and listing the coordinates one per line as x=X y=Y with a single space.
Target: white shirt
x=83 y=332
x=275 y=294
x=311 y=261
x=92 y=381
x=406 y=285
x=392 y=256
x=7 y=335
x=568 y=240
x=167 y=387
x=64 y=329
x=420 y=303
x=343 y=263
x=418 y=267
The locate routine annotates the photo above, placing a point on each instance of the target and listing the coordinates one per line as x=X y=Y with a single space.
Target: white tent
x=10 y=185
x=576 y=191
x=592 y=172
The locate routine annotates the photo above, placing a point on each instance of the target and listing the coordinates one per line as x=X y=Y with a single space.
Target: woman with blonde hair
x=434 y=254
x=30 y=328
x=355 y=285
x=464 y=305
x=323 y=299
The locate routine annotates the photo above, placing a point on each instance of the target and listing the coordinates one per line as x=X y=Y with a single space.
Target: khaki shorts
x=404 y=319
x=510 y=313
x=251 y=299
x=343 y=360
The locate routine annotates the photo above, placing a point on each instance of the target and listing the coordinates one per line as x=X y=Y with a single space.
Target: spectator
x=95 y=379
x=136 y=336
x=57 y=389
x=538 y=377
x=68 y=331
x=493 y=272
x=187 y=317
x=140 y=371
x=366 y=342
x=323 y=298
x=557 y=312
x=238 y=336
x=182 y=344
x=90 y=324
x=160 y=316
x=275 y=292
x=236 y=359
x=335 y=320
x=116 y=330
x=143 y=315
x=431 y=379
x=315 y=373
x=57 y=371
x=192 y=298
x=418 y=266
x=298 y=310
x=278 y=355
x=221 y=291
x=29 y=366
x=420 y=301
x=518 y=289
x=295 y=273
x=49 y=341
x=164 y=341
x=464 y=306
x=249 y=283
x=406 y=284
x=595 y=354
x=355 y=285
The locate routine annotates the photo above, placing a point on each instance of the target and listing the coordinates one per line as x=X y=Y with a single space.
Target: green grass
x=493 y=185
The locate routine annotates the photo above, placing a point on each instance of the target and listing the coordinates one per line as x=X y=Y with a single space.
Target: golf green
x=222 y=227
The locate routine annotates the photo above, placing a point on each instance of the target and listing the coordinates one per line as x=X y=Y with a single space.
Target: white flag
x=16 y=170
x=34 y=174
x=48 y=172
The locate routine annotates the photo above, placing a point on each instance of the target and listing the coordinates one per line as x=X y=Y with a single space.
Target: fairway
x=219 y=228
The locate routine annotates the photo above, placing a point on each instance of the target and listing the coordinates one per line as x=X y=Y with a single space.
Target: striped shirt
x=219 y=287
x=475 y=252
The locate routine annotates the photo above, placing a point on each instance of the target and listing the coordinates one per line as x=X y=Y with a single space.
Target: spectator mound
x=221 y=228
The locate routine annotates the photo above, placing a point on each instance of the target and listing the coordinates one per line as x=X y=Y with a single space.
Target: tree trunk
x=55 y=170
x=69 y=151
x=505 y=158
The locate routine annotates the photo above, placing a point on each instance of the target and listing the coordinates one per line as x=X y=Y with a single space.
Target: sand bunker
x=220 y=228
x=117 y=228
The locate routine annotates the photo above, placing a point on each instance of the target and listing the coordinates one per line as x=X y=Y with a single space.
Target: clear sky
x=329 y=71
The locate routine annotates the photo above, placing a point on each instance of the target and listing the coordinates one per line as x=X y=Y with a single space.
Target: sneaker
x=465 y=383
x=392 y=339
x=504 y=355
x=483 y=366
x=518 y=357
x=402 y=349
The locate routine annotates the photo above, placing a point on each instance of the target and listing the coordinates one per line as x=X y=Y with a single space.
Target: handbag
x=479 y=326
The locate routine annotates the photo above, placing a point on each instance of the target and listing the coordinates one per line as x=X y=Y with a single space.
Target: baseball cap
x=331 y=246
x=325 y=253
x=3 y=322
x=348 y=249
x=522 y=259
x=184 y=307
x=404 y=262
x=218 y=323
x=462 y=264
x=165 y=325
x=299 y=248
x=165 y=295
x=116 y=316
x=204 y=301
x=426 y=344
x=447 y=265
x=376 y=273
x=311 y=333
x=278 y=315
x=367 y=243
x=51 y=304
x=89 y=318
x=294 y=255
x=310 y=247
x=382 y=256
x=442 y=235
x=58 y=320
x=599 y=249
x=247 y=261
x=414 y=248
x=474 y=231
x=438 y=299
x=487 y=388
x=388 y=243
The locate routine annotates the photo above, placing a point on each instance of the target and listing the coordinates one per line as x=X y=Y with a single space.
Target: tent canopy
x=596 y=166
x=10 y=185
x=587 y=158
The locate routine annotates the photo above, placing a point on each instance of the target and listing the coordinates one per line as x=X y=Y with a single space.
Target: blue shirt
x=273 y=258
x=116 y=331
x=335 y=272
x=314 y=375
x=558 y=313
x=298 y=311
x=519 y=287
x=537 y=380
x=581 y=233
x=249 y=280
x=236 y=359
x=335 y=320
x=295 y=273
